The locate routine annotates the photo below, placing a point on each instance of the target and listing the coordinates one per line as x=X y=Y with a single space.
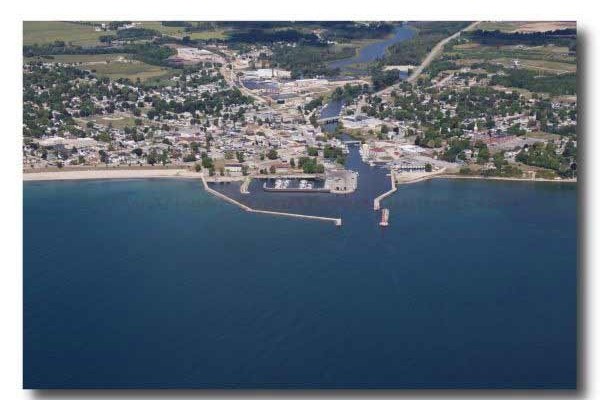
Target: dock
x=385 y=216
x=377 y=201
x=295 y=190
x=245 y=185
x=336 y=221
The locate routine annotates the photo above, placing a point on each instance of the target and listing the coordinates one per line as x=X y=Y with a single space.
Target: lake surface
x=373 y=51
x=158 y=284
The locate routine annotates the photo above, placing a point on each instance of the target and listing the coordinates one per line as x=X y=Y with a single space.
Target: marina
x=336 y=221
x=298 y=186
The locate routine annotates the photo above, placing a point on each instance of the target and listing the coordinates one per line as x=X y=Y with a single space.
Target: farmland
x=113 y=66
x=42 y=32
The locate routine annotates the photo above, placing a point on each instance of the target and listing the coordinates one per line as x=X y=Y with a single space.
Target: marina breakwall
x=377 y=201
x=336 y=221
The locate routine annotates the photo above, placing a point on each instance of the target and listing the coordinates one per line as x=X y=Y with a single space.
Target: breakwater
x=336 y=221
x=377 y=201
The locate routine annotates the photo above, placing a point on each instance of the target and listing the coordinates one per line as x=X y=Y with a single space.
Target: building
x=341 y=180
x=233 y=169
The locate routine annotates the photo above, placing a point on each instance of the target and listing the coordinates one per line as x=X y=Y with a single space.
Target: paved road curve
x=437 y=49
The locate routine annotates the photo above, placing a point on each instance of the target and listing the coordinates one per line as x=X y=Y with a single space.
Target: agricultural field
x=476 y=51
x=82 y=59
x=113 y=66
x=178 y=31
x=42 y=32
x=541 y=66
x=209 y=34
x=516 y=26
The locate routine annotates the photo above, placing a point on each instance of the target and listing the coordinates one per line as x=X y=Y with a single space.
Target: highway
x=437 y=49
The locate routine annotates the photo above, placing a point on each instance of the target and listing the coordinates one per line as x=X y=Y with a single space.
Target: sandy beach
x=419 y=177
x=109 y=174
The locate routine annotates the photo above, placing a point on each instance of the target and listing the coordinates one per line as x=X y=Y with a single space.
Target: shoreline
x=141 y=173
x=491 y=178
x=108 y=174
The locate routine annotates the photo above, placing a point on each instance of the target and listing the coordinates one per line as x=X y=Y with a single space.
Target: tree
x=292 y=163
x=428 y=167
x=103 y=156
x=272 y=169
x=152 y=157
x=272 y=154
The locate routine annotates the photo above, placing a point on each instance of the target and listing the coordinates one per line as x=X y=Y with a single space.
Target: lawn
x=42 y=32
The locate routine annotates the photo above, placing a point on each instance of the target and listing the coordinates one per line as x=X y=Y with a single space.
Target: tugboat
x=385 y=214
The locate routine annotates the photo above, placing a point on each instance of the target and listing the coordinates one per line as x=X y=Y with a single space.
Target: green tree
x=272 y=154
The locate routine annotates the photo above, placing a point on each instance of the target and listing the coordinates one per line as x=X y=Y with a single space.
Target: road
x=232 y=79
x=437 y=49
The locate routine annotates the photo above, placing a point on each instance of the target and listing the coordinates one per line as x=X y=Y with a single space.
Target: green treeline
x=412 y=51
x=564 y=84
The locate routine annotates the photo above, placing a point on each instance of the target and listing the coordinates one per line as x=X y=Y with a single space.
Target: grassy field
x=114 y=66
x=41 y=32
x=132 y=70
x=84 y=59
x=117 y=122
x=543 y=53
x=543 y=66
x=522 y=26
x=205 y=35
x=180 y=31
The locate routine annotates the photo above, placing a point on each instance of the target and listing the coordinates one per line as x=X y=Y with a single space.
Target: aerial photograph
x=299 y=204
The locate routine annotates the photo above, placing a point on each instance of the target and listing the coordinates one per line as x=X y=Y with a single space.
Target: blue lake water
x=158 y=284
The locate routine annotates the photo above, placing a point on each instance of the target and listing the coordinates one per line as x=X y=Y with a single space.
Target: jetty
x=245 y=185
x=385 y=216
x=377 y=201
x=336 y=221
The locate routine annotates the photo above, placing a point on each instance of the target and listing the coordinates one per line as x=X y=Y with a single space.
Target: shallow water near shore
x=156 y=283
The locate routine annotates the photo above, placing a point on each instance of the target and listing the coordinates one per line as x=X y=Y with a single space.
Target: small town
x=231 y=111
x=261 y=201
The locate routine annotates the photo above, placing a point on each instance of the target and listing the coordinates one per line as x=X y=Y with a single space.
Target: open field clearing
x=115 y=121
x=543 y=66
x=179 y=31
x=504 y=26
x=114 y=66
x=158 y=26
x=41 y=32
x=545 y=53
x=517 y=26
x=132 y=70
x=84 y=59
x=206 y=35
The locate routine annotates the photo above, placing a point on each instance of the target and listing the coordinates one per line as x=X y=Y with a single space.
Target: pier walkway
x=336 y=221
x=377 y=201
